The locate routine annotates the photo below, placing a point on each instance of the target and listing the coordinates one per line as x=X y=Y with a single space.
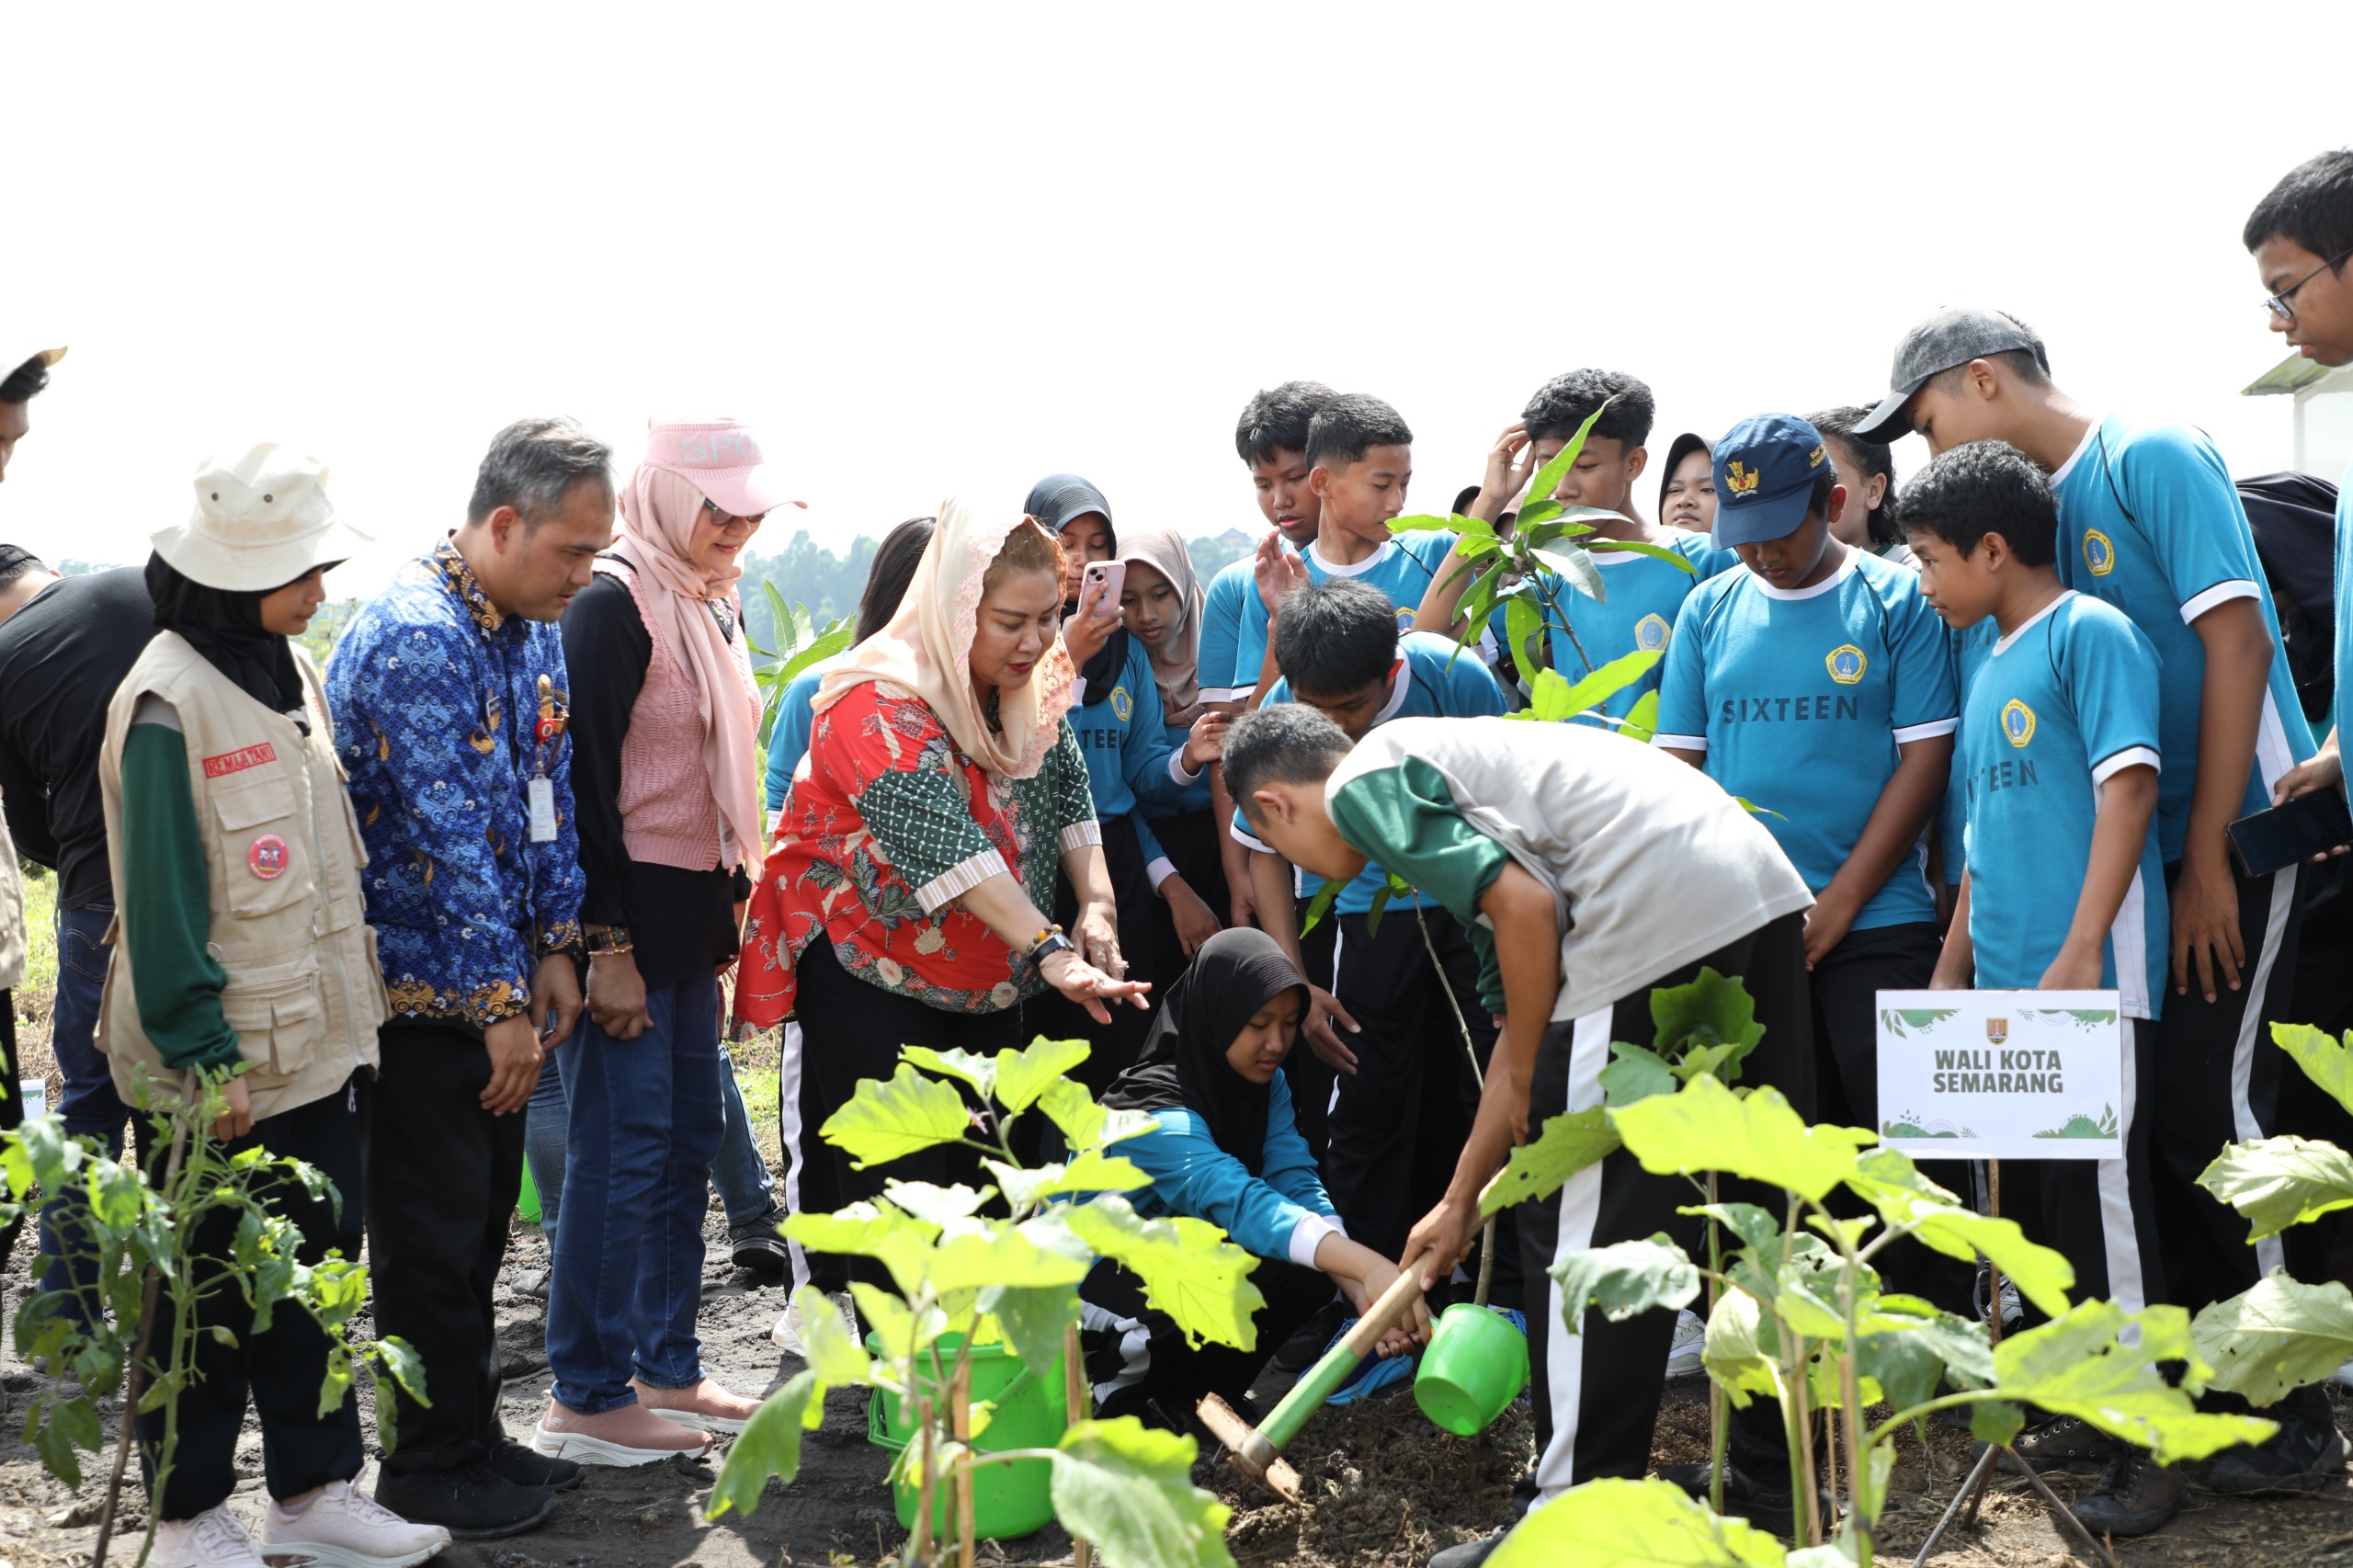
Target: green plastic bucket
x=1008 y=1500
x=527 y=1203
x=1476 y=1367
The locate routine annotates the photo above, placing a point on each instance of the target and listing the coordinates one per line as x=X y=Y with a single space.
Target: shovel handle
x=1390 y=1306
x=1308 y=1394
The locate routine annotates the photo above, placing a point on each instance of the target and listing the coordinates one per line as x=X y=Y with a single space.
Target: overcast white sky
x=935 y=250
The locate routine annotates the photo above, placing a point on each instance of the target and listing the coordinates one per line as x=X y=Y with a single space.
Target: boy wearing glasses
x=2149 y=522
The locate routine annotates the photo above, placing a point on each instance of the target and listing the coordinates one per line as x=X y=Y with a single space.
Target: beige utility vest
x=282 y=865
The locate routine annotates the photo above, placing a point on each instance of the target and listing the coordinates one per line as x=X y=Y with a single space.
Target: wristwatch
x=1046 y=944
x=607 y=940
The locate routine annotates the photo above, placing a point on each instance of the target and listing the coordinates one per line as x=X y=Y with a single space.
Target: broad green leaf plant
x=1002 y=1262
x=135 y=1231
x=2280 y=1334
x=799 y=644
x=1799 y=1314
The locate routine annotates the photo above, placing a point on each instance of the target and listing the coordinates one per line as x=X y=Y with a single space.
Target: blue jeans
x=645 y=1123
x=746 y=1188
x=89 y=1106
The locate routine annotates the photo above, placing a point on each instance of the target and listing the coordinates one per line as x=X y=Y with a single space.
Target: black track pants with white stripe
x=1598 y=1390
x=2216 y=1080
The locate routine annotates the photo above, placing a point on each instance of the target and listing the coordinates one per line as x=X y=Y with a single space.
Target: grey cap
x=1949 y=338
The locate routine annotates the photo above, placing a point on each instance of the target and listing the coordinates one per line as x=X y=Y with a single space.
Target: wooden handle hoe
x=1258 y=1453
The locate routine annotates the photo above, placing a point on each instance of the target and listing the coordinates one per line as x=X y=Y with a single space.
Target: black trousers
x=1598 y=1390
x=1190 y=842
x=1115 y=1046
x=2102 y=1215
x=2323 y=998
x=1399 y=1122
x=1311 y=1076
x=1844 y=987
x=12 y=1112
x=443 y=1175
x=2216 y=1080
x=1139 y=1364
x=849 y=1031
x=283 y=1367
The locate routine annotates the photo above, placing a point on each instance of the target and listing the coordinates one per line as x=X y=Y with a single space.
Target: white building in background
x=2324 y=413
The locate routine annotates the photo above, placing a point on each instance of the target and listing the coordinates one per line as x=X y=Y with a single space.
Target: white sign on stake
x=2001 y=1074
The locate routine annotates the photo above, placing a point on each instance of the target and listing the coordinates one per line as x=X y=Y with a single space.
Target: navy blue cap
x=1766 y=466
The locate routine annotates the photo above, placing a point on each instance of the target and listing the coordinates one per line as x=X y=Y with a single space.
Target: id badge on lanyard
x=540 y=793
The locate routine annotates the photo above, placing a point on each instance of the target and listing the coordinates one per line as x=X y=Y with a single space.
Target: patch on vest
x=237 y=761
x=267 y=858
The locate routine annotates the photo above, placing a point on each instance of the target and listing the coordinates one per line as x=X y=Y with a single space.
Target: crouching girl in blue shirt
x=1227 y=1151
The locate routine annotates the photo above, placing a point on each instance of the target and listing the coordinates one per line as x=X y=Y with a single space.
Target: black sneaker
x=472 y=1502
x=2136 y=1497
x=2304 y=1455
x=1470 y=1554
x=758 y=1245
x=1772 y=1508
x=529 y=1467
x=1302 y=1350
x=2062 y=1444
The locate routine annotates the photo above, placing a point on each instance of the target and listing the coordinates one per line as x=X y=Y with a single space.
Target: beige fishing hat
x=261 y=520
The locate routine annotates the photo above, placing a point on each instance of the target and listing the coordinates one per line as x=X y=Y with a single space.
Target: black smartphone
x=2307 y=825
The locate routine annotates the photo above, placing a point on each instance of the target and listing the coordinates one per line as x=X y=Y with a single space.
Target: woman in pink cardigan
x=663 y=717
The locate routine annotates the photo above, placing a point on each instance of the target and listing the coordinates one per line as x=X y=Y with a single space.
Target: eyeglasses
x=2277 y=304
x=723 y=519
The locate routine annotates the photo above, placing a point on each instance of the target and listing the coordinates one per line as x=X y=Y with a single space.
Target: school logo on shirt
x=2099 y=553
x=1847 y=663
x=2017 y=722
x=1650 y=632
x=1738 y=479
x=1405 y=617
x=1122 y=703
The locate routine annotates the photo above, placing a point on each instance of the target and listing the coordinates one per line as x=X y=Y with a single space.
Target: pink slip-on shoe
x=631 y=1435
x=706 y=1406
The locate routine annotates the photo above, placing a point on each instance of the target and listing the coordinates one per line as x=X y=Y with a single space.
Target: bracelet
x=1049 y=942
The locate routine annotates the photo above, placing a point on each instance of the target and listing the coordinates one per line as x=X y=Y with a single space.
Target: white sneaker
x=345 y=1528
x=1690 y=1344
x=2343 y=1376
x=214 y=1539
x=786 y=1334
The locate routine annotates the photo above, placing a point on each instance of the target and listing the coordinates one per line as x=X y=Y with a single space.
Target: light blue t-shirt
x=2344 y=593
x=1160 y=802
x=1639 y=613
x=1969 y=645
x=788 y=739
x=1402 y=570
x=1125 y=742
x=1221 y=632
x=1801 y=697
x=2149 y=522
x=2059 y=707
x=1431 y=684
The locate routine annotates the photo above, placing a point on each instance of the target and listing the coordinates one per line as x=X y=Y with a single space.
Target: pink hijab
x=659 y=510
x=927 y=648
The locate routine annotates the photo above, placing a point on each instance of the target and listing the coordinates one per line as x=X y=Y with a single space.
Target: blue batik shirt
x=1435 y=680
x=2056 y=709
x=1802 y=699
x=2149 y=522
x=438 y=699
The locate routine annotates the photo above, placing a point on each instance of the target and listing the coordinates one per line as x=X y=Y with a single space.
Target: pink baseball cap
x=721 y=458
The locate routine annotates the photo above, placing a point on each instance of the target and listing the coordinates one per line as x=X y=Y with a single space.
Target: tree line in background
x=803 y=572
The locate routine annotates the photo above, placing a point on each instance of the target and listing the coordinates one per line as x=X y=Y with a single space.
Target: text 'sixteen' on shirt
x=438 y=701
x=1801 y=697
x=2058 y=708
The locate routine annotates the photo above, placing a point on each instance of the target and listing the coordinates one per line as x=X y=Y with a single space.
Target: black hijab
x=1053 y=501
x=1183 y=1065
x=225 y=625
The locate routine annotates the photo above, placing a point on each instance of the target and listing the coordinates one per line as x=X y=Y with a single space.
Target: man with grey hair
x=451 y=704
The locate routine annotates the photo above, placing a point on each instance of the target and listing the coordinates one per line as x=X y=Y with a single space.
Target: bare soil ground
x=1385 y=1487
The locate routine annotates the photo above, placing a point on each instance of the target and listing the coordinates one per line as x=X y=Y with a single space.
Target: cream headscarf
x=1176 y=663
x=659 y=510
x=927 y=648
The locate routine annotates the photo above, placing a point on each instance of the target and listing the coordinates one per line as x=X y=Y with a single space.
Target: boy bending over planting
x=1511 y=828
